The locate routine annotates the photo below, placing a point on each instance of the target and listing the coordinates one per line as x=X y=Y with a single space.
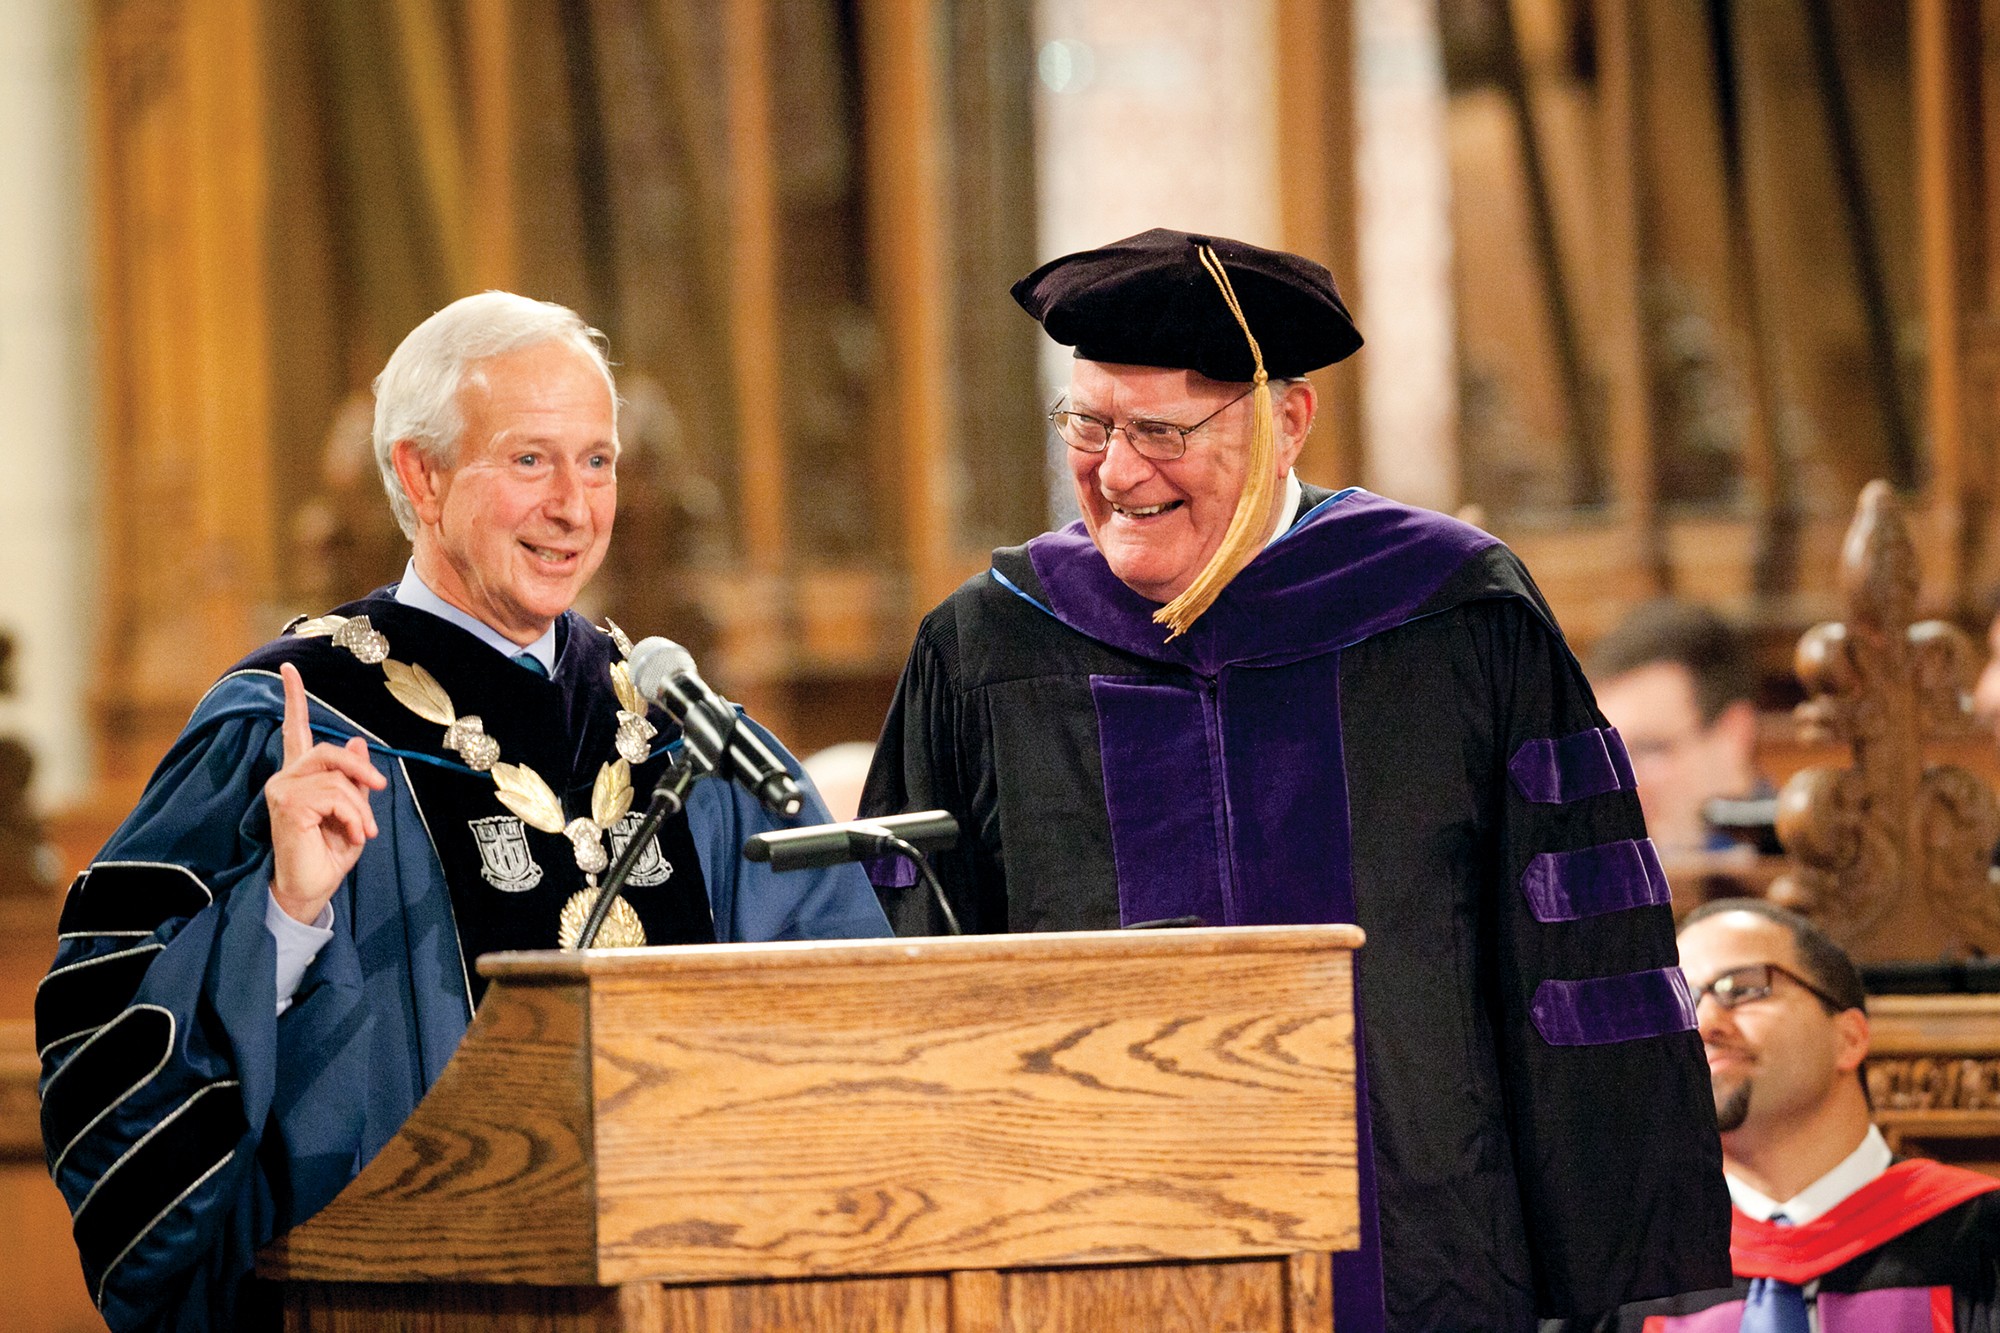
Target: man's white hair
x=416 y=395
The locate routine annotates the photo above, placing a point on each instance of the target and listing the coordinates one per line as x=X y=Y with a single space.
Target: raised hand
x=320 y=817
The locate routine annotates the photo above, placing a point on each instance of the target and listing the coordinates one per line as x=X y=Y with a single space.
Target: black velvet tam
x=1147 y=301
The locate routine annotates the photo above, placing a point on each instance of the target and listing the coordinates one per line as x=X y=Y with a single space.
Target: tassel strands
x=1251 y=523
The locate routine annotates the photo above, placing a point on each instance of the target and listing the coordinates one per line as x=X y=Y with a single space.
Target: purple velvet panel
x=1611 y=877
x=1887 y=1310
x=1597 y=1010
x=1589 y=763
x=1164 y=799
x=891 y=872
x=1286 y=780
x=1357 y=565
x=1723 y=1318
x=1223 y=806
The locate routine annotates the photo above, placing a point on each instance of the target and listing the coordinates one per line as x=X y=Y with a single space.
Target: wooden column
x=1635 y=485
x=491 y=235
x=1315 y=88
x=1938 y=105
x=753 y=284
x=188 y=552
x=906 y=193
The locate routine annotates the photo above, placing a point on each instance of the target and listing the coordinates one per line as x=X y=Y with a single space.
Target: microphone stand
x=705 y=735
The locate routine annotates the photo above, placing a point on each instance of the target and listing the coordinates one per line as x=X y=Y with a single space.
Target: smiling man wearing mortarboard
x=1230 y=696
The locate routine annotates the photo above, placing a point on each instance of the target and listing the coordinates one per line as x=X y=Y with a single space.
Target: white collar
x=415 y=593
x=1866 y=1162
x=1288 y=512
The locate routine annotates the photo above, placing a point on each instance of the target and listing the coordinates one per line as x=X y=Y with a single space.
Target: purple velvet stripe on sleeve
x=1883 y=1310
x=1555 y=772
x=1611 y=877
x=1163 y=798
x=1596 y=1011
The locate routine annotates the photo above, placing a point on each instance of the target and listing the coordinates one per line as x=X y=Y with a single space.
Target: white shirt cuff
x=298 y=944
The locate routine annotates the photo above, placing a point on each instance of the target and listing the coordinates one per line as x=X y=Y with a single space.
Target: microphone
x=833 y=844
x=665 y=674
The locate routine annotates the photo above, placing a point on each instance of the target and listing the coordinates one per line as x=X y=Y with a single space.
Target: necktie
x=530 y=662
x=1773 y=1306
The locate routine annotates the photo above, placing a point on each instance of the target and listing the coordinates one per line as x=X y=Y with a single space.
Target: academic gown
x=1916 y=1250
x=1377 y=722
x=185 y=1124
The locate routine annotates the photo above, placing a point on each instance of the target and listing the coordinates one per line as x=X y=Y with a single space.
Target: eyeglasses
x=1740 y=985
x=1161 y=441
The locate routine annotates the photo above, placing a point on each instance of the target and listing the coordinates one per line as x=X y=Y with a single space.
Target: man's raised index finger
x=298 y=731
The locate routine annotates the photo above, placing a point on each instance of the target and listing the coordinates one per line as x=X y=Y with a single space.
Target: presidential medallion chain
x=522 y=790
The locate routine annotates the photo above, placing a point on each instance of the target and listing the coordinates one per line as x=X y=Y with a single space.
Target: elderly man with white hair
x=271 y=960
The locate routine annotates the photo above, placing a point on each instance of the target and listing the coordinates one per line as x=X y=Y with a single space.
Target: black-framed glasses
x=1161 y=441
x=1753 y=981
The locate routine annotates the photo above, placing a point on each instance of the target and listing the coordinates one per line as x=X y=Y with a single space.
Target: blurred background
x=1650 y=287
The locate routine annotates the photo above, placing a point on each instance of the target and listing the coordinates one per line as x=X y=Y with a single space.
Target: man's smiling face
x=515 y=526
x=1158 y=521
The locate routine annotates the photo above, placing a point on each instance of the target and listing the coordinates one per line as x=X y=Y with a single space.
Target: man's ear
x=1851 y=1026
x=1736 y=726
x=1293 y=407
x=422 y=478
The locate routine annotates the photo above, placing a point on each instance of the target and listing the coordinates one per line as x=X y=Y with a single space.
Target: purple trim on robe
x=1556 y=772
x=1884 y=1310
x=891 y=872
x=1260 y=841
x=1355 y=566
x=1164 y=799
x=1596 y=1011
x=1611 y=877
x=1723 y=1318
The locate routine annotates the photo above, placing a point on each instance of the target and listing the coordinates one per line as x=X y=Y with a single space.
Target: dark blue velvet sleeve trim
x=1595 y=1011
x=1611 y=877
x=1555 y=772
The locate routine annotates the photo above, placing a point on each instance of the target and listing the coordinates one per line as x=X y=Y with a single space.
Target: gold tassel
x=1251 y=523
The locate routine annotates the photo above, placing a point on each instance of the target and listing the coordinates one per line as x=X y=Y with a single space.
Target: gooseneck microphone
x=665 y=674
x=857 y=840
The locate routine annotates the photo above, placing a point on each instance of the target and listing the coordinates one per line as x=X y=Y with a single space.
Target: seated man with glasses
x=1831 y=1232
x=1228 y=697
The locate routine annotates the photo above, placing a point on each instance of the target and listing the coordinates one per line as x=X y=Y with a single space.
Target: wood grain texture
x=312 y=1307
x=489 y=1180
x=878 y=1305
x=908 y=1107
x=1242 y=1297
x=1308 y=1293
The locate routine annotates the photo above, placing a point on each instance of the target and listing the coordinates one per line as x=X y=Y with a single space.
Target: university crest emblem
x=504 y=859
x=651 y=868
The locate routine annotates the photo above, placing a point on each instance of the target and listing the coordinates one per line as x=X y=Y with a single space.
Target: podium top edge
x=557 y=965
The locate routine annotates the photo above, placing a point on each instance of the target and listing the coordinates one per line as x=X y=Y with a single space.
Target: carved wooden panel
x=1934 y=1076
x=1893 y=853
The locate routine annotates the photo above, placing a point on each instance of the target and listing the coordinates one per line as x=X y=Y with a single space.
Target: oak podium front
x=1146 y=1130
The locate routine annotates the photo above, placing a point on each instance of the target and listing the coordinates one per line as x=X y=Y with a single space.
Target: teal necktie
x=530 y=662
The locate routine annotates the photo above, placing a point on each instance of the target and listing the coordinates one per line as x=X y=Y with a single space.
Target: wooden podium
x=1145 y=1130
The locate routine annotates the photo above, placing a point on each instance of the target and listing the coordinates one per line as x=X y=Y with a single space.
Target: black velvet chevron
x=86 y=995
x=130 y=896
x=139 y=1189
x=104 y=1069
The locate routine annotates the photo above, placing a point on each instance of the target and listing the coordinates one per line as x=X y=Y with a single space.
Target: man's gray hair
x=416 y=395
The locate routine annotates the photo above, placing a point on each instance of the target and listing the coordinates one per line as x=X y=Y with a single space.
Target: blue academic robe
x=186 y=1123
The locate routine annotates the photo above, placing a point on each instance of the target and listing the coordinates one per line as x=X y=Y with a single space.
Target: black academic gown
x=1378 y=722
x=1916 y=1250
